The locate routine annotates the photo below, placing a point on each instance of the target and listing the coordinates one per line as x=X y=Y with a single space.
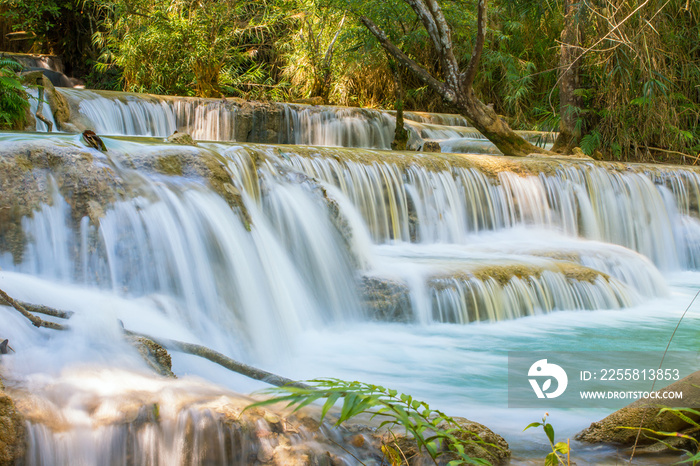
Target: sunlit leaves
x=434 y=432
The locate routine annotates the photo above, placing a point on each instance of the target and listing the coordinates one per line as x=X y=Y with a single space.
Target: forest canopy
x=636 y=94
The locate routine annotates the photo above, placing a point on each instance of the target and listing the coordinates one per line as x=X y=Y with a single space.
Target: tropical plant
x=13 y=98
x=561 y=452
x=435 y=433
x=691 y=446
x=206 y=48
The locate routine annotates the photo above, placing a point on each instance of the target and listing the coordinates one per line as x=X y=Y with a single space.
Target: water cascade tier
x=246 y=248
x=131 y=114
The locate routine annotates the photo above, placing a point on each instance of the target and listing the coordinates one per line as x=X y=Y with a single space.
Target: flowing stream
x=416 y=271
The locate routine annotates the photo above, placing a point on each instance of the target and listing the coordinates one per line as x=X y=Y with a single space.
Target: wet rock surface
x=386 y=300
x=621 y=427
x=154 y=355
x=12 y=431
x=31 y=173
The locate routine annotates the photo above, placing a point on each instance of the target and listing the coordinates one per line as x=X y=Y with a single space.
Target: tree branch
x=449 y=62
x=40 y=309
x=222 y=360
x=469 y=75
x=189 y=348
x=36 y=321
x=420 y=73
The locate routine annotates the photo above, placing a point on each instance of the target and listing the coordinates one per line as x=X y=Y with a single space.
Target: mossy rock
x=12 y=432
x=481 y=444
x=386 y=300
x=180 y=138
x=28 y=170
x=503 y=274
x=154 y=354
x=620 y=427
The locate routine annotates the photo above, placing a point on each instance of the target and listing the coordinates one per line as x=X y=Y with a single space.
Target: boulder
x=485 y=446
x=28 y=172
x=386 y=300
x=431 y=146
x=646 y=413
x=180 y=138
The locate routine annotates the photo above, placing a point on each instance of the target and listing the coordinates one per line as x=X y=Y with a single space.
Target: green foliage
x=560 y=450
x=639 y=71
x=434 y=432
x=692 y=445
x=38 y=16
x=191 y=47
x=643 y=77
x=13 y=98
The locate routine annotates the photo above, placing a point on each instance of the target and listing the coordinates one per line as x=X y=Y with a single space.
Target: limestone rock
x=431 y=146
x=609 y=430
x=154 y=354
x=12 y=431
x=58 y=103
x=577 y=153
x=386 y=300
x=28 y=171
x=496 y=453
x=180 y=138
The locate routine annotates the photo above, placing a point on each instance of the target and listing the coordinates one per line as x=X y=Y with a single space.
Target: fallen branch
x=224 y=361
x=674 y=152
x=189 y=348
x=32 y=318
x=39 y=112
x=41 y=309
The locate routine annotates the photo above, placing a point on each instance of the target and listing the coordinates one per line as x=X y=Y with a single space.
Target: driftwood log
x=173 y=345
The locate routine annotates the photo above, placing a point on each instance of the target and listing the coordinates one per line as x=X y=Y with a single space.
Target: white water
x=116 y=113
x=172 y=259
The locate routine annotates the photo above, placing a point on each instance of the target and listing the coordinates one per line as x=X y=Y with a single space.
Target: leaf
x=562 y=448
x=534 y=424
x=549 y=430
x=329 y=403
x=551 y=460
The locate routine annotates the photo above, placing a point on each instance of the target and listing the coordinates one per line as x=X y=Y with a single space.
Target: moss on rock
x=12 y=431
x=386 y=300
x=646 y=413
x=154 y=354
x=28 y=171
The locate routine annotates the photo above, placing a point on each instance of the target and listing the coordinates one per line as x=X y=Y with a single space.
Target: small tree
x=457 y=86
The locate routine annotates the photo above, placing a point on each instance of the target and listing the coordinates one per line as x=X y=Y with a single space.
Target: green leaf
x=551 y=460
x=562 y=448
x=329 y=403
x=549 y=430
x=534 y=424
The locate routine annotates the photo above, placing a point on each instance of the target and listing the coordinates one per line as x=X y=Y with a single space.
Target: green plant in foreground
x=559 y=449
x=13 y=98
x=434 y=432
x=693 y=452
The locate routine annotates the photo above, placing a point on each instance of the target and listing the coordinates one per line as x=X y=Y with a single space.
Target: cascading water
x=312 y=262
x=116 y=113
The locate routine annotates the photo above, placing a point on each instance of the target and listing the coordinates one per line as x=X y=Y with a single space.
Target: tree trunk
x=400 y=133
x=457 y=86
x=493 y=127
x=569 y=81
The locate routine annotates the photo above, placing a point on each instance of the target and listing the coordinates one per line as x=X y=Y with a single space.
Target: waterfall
x=260 y=250
x=131 y=114
x=431 y=201
x=34 y=105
